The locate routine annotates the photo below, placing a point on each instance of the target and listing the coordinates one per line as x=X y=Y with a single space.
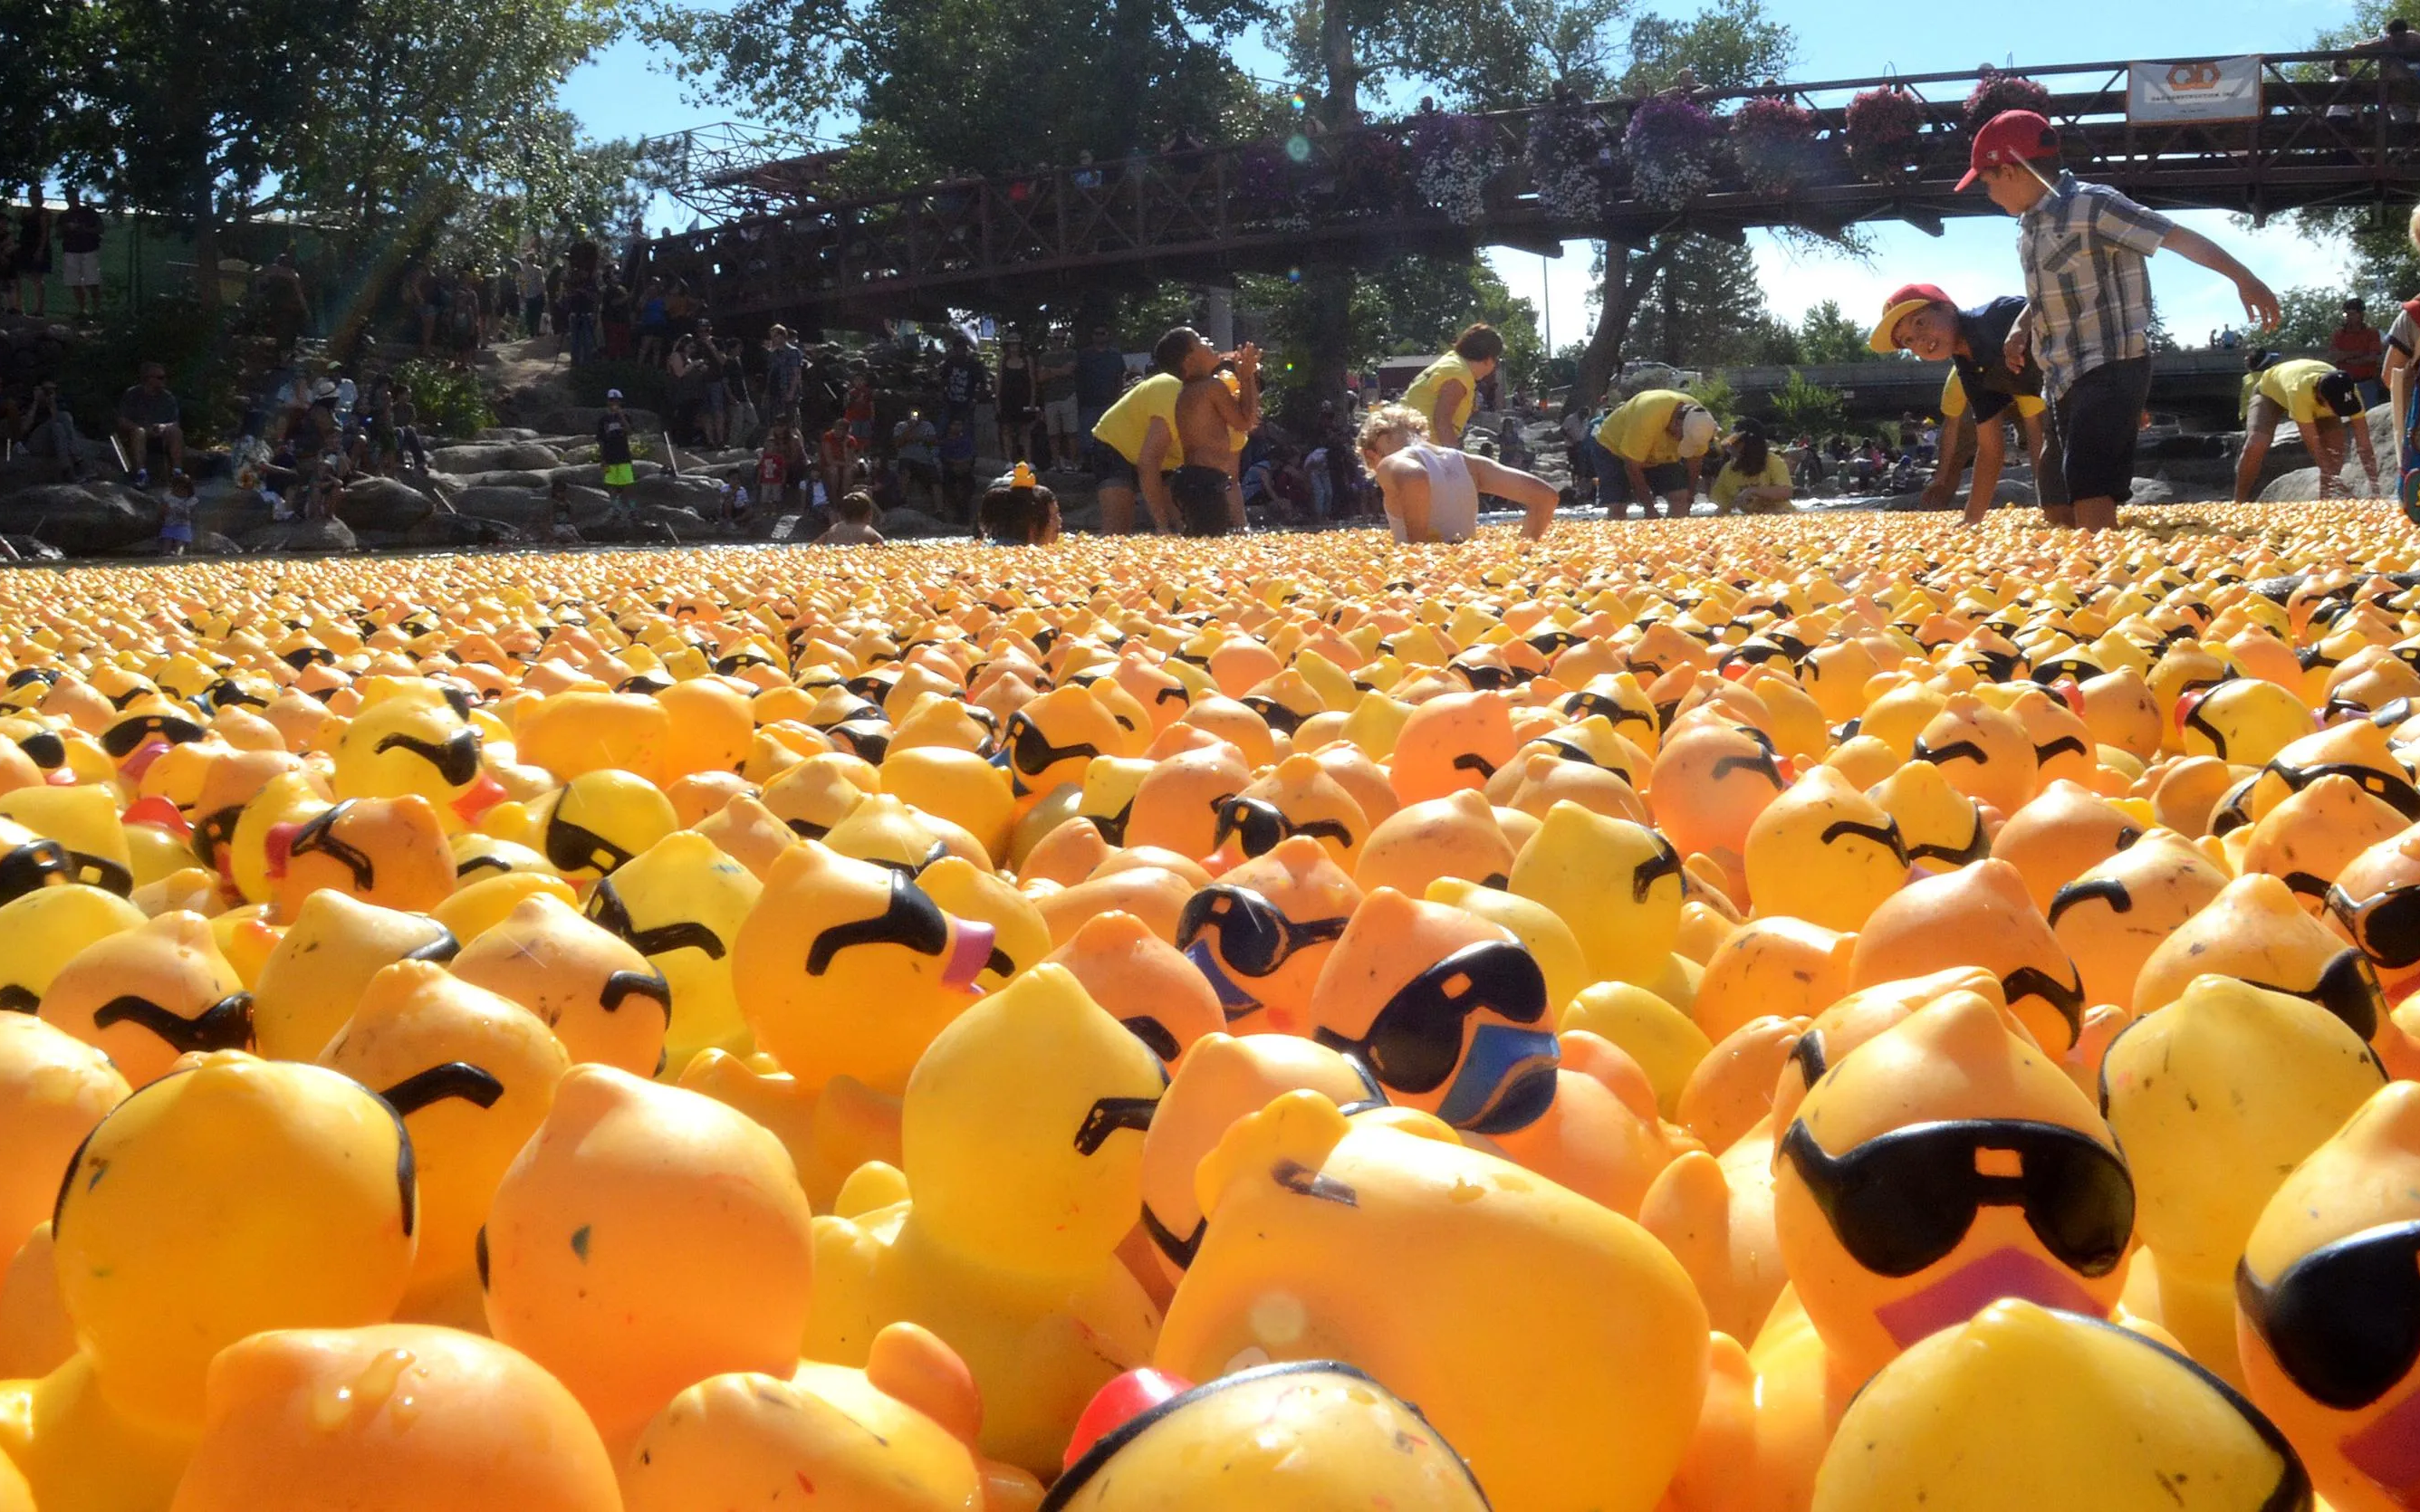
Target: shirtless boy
x=1210 y=419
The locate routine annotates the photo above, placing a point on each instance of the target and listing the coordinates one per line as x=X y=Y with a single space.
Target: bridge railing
x=1276 y=196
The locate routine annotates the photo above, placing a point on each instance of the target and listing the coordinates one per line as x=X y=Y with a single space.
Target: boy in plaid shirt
x=2087 y=314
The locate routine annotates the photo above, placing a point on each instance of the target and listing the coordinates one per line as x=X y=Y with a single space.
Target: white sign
x=2197 y=89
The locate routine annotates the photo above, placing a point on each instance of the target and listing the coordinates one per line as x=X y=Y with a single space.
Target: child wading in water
x=2087 y=317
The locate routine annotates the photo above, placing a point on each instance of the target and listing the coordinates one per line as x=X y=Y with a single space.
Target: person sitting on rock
x=147 y=412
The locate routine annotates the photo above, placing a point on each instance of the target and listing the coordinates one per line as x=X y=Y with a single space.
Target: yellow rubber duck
x=626 y=1187
x=401 y=1415
x=1022 y=1137
x=234 y=1197
x=1365 y=1242
x=2023 y=1408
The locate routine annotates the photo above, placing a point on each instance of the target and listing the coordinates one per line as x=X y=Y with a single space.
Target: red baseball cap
x=2011 y=136
x=1904 y=301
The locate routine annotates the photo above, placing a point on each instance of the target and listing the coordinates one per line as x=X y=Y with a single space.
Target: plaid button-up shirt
x=2089 y=292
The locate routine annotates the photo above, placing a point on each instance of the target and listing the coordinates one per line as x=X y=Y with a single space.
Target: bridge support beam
x=1219 y=315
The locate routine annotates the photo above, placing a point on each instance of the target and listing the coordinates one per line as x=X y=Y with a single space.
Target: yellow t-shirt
x=1122 y=426
x=1422 y=395
x=1731 y=480
x=1953 y=399
x=2294 y=387
x=1640 y=430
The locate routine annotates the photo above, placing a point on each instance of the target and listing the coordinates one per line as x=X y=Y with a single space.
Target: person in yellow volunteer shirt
x=1139 y=449
x=1448 y=388
x=1658 y=438
x=1754 y=479
x=2320 y=401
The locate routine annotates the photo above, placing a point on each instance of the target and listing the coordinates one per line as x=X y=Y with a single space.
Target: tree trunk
x=1328 y=293
x=1344 y=73
x=206 y=240
x=1628 y=275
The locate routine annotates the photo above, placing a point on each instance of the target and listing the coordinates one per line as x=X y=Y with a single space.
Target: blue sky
x=621 y=94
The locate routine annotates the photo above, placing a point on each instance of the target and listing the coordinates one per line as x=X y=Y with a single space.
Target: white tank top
x=1454 y=498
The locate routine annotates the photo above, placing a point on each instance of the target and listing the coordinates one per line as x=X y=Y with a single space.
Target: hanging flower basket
x=1774 y=140
x=1996 y=90
x=1263 y=181
x=1882 y=128
x=1571 y=158
x=1454 y=160
x=1670 y=145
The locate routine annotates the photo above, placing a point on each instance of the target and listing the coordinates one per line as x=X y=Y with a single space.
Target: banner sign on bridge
x=2196 y=90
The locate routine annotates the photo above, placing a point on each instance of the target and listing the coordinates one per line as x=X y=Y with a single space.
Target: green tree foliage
x=1412 y=305
x=1800 y=407
x=1477 y=55
x=1828 y=335
x=2386 y=264
x=409 y=116
x=1730 y=44
x=1706 y=308
x=983 y=86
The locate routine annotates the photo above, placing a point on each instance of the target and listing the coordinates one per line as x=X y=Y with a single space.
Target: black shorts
x=1664 y=479
x=1110 y=470
x=1200 y=498
x=2094 y=427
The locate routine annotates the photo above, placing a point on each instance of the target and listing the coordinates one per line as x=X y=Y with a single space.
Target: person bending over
x=2320 y=401
x=1431 y=493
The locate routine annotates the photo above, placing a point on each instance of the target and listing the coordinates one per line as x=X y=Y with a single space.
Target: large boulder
x=494 y=456
x=29 y=548
x=82 y=519
x=506 y=478
x=300 y=537
x=507 y=433
x=914 y=525
x=459 y=530
x=592 y=475
x=2303 y=484
x=688 y=491
x=383 y=504
x=579 y=421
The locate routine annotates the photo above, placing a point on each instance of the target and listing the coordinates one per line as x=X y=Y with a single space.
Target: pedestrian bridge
x=1532 y=178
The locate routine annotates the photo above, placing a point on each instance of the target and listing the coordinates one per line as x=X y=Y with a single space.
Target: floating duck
x=1605 y=1328
x=1022 y=1137
x=625 y=1185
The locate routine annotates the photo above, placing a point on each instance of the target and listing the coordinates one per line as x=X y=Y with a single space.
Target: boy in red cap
x=1922 y=320
x=2087 y=315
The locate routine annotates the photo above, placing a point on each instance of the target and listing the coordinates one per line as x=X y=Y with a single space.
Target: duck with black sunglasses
x=1948 y=1164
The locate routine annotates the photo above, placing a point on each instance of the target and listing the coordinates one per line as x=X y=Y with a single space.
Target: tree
x=1730 y=44
x=1801 y=408
x=429 y=106
x=2384 y=260
x=1826 y=335
x=41 y=40
x=1413 y=304
x=983 y=86
x=1706 y=309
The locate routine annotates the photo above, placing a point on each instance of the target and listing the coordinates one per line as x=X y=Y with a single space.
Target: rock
x=2303 y=484
x=212 y=544
x=592 y=475
x=506 y=433
x=2151 y=491
x=578 y=420
x=301 y=537
x=914 y=524
x=461 y=530
x=29 y=548
x=505 y=478
x=493 y=458
x=82 y=519
x=383 y=504
x=688 y=491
